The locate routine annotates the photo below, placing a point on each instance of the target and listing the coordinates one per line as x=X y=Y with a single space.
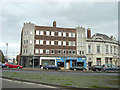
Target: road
x=7 y=83
x=61 y=73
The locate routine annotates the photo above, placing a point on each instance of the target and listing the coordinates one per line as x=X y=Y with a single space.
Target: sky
x=101 y=17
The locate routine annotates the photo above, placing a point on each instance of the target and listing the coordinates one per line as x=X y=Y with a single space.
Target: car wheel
x=96 y=69
x=18 y=67
x=8 y=67
x=46 y=68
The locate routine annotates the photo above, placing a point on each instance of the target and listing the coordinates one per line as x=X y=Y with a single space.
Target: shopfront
x=67 y=62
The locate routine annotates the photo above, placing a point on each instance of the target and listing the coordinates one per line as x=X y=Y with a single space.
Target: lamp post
x=6 y=50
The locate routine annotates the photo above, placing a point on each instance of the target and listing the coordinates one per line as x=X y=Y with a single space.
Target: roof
x=105 y=37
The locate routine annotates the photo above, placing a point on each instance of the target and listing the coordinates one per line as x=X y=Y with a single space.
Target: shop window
x=110 y=60
x=60 y=64
x=80 y=64
x=98 y=61
x=106 y=60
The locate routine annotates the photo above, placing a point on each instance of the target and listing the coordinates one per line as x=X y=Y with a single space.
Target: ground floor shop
x=63 y=62
x=100 y=60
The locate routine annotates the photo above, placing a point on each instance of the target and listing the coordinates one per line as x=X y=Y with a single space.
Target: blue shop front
x=68 y=62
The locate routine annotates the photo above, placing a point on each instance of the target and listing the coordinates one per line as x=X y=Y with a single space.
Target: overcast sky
x=101 y=17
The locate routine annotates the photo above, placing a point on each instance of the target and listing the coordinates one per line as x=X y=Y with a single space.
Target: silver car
x=109 y=67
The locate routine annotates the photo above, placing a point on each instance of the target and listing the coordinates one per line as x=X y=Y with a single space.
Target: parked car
x=78 y=68
x=96 y=67
x=46 y=67
x=13 y=65
x=108 y=67
x=2 y=65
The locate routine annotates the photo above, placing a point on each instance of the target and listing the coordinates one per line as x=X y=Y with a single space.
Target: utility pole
x=6 y=50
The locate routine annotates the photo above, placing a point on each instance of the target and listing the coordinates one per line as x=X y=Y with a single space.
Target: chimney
x=54 y=24
x=111 y=36
x=88 y=33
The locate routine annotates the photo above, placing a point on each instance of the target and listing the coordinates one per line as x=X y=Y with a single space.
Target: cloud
x=99 y=16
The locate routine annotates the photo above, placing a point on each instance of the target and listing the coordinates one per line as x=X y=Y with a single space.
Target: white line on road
x=17 y=82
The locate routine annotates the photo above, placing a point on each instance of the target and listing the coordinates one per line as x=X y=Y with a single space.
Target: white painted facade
x=106 y=55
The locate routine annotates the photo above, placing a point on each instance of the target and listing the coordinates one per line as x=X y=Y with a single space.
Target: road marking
x=17 y=81
x=28 y=83
x=46 y=86
x=9 y=80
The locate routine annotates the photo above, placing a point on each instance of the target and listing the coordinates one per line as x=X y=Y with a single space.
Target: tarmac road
x=7 y=83
x=53 y=72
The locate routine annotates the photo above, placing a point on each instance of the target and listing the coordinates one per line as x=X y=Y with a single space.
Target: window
x=47 y=51
x=24 y=51
x=73 y=34
x=47 y=42
x=47 y=33
x=41 y=41
x=106 y=49
x=73 y=43
x=114 y=49
x=52 y=51
x=77 y=43
x=59 y=51
x=98 y=61
x=41 y=33
x=30 y=32
x=30 y=41
x=59 y=34
x=64 y=42
x=37 y=32
x=69 y=52
x=98 y=49
x=64 y=51
x=89 y=48
x=111 y=49
x=82 y=44
x=70 y=44
x=36 y=51
x=30 y=51
x=64 y=34
x=52 y=33
x=82 y=35
x=41 y=50
x=73 y=52
x=37 y=41
x=82 y=52
x=52 y=42
x=106 y=60
x=69 y=34
x=59 y=42
x=26 y=41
